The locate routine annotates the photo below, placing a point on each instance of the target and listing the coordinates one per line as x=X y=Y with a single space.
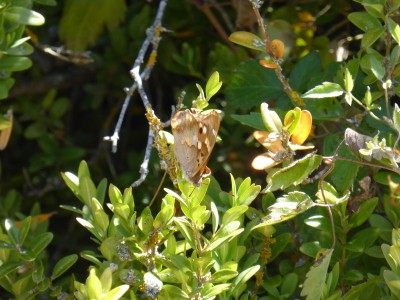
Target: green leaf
x=364 y=21
x=63 y=265
x=394 y=29
x=363 y=213
x=270 y=118
x=24 y=229
x=371 y=36
x=23 y=49
x=324 y=109
x=163 y=218
x=248 y=40
x=224 y=233
x=396 y=117
x=326 y=90
x=146 y=221
x=175 y=292
x=294 y=174
x=87 y=189
x=362 y=240
x=46 y=2
x=244 y=276
x=93 y=286
x=315 y=278
x=41 y=242
x=289 y=284
x=215 y=216
x=393 y=282
x=116 y=293
x=365 y=290
x=210 y=291
x=84 y=20
x=14 y=63
x=187 y=232
x=213 y=85
x=305 y=71
x=348 y=80
x=286 y=207
x=5 y=85
x=253 y=120
x=12 y=231
x=246 y=192
x=377 y=67
x=23 y=16
x=9 y=267
x=233 y=214
x=251 y=84
x=223 y=275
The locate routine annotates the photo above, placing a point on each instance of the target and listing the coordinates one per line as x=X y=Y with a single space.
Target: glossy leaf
x=22 y=15
x=63 y=265
x=364 y=21
x=248 y=40
x=41 y=242
x=363 y=213
x=394 y=29
x=325 y=90
x=293 y=174
x=286 y=207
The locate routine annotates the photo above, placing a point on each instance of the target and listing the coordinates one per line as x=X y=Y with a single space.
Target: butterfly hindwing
x=195 y=135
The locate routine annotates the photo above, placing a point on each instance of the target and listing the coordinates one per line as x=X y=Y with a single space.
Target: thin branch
x=144 y=167
x=152 y=40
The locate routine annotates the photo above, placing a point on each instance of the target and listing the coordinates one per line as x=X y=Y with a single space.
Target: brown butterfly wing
x=185 y=130
x=195 y=135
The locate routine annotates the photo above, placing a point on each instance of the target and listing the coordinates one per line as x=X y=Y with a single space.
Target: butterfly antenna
x=158 y=189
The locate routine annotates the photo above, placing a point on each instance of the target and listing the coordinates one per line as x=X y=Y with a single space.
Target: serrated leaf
x=251 y=84
x=325 y=90
x=294 y=174
x=305 y=70
x=313 y=286
x=286 y=207
x=63 y=265
x=84 y=20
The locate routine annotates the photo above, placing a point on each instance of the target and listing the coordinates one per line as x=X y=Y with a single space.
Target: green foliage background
x=63 y=110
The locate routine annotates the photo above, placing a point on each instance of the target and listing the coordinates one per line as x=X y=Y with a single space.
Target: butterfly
x=195 y=134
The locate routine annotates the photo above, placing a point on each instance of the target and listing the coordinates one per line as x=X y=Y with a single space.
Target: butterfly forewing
x=195 y=135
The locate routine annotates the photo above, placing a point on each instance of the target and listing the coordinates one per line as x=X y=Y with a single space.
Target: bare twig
x=144 y=167
x=278 y=71
x=152 y=40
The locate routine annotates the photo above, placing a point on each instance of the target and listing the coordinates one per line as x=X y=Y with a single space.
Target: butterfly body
x=195 y=134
